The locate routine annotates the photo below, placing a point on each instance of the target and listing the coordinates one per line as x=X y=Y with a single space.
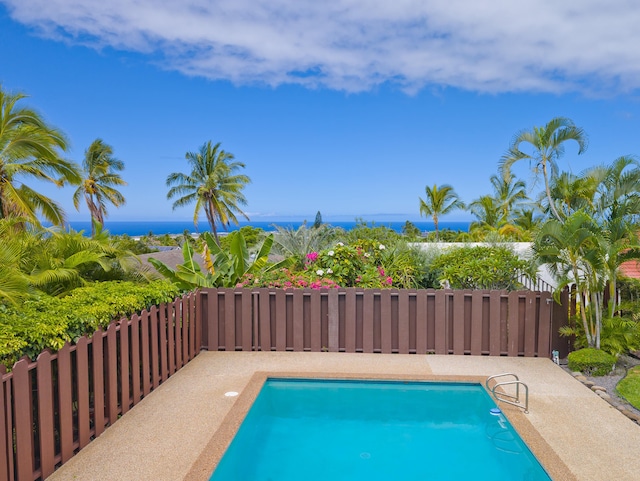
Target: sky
x=347 y=107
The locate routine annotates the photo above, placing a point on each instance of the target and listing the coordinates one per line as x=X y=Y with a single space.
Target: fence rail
x=54 y=406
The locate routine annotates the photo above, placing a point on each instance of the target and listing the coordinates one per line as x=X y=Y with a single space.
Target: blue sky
x=349 y=107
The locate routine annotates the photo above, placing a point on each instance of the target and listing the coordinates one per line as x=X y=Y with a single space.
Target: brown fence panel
x=23 y=420
x=84 y=413
x=65 y=400
x=111 y=365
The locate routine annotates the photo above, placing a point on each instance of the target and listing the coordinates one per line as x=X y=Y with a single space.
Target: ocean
x=140 y=228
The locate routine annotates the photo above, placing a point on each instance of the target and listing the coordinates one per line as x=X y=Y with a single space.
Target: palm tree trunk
x=212 y=222
x=435 y=221
x=548 y=190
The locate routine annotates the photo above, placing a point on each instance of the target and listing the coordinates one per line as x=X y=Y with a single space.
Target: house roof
x=630 y=269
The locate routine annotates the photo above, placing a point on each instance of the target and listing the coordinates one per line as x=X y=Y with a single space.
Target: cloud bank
x=356 y=45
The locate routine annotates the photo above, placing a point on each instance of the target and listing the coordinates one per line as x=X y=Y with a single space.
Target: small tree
x=439 y=201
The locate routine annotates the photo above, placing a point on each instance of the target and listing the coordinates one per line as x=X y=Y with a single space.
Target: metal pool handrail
x=513 y=400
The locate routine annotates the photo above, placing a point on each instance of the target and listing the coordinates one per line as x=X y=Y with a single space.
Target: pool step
x=508 y=398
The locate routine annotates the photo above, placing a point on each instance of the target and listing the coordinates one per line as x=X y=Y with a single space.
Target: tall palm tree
x=439 y=201
x=212 y=184
x=547 y=145
x=99 y=179
x=30 y=149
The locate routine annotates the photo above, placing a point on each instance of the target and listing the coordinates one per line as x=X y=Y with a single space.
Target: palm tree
x=509 y=192
x=212 y=184
x=439 y=201
x=100 y=178
x=30 y=148
x=548 y=146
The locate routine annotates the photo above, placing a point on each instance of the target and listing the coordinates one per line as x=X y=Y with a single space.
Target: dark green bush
x=481 y=267
x=593 y=362
x=48 y=322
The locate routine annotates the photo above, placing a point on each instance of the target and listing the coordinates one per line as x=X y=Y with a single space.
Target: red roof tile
x=630 y=269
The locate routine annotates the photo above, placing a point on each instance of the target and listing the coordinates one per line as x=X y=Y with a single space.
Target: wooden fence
x=496 y=323
x=53 y=407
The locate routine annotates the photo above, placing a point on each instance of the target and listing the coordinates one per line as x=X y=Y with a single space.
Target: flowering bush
x=285 y=279
x=357 y=265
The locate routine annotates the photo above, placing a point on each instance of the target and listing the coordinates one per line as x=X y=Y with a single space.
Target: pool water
x=375 y=430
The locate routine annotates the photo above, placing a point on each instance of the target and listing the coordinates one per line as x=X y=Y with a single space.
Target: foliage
x=48 y=322
x=367 y=264
x=135 y=246
x=439 y=201
x=619 y=335
x=285 y=279
x=410 y=230
x=223 y=268
x=99 y=181
x=481 y=267
x=213 y=184
x=547 y=146
x=318 y=221
x=629 y=387
x=30 y=150
x=371 y=232
x=252 y=236
x=593 y=362
x=297 y=243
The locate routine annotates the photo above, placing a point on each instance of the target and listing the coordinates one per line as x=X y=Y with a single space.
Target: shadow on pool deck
x=173 y=433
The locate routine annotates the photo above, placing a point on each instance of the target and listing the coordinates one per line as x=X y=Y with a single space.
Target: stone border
x=602 y=392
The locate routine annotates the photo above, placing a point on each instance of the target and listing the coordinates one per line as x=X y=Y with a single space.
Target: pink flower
x=389 y=280
x=312 y=256
x=381 y=271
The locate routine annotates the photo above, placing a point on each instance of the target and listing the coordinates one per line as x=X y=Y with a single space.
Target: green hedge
x=48 y=322
x=593 y=362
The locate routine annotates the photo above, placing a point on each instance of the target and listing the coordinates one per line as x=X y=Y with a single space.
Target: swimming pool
x=375 y=430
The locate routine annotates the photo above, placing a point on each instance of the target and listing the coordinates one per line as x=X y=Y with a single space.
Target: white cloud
x=354 y=45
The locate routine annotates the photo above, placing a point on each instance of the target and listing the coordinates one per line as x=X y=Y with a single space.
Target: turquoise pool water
x=375 y=430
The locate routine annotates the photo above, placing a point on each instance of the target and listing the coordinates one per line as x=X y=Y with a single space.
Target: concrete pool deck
x=177 y=432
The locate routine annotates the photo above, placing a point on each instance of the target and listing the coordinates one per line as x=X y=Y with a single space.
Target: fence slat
x=367 y=321
x=144 y=358
x=494 y=323
x=229 y=320
x=530 y=325
x=350 y=320
x=155 y=354
x=125 y=379
x=316 y=320
x=65 y=400
x=477 y=300
x=164 y=355
x=404 y=333
x=23 y=420
x=193 y=348
x=135 y=360
x=171 y=341
x=458 y=322
x=441 y=322
x=45 y=413
x=544 y=326
x=199 y=315
x=213 y=320
x=112 y=374
x=247 y=315
x=298 y=320
x=421 y=322
x=385 y=321
x=98 y=383
x=333 y=321
x=513 y=324
x=281 y=320
x=177 y=332
x=84 y=390
x=185 y=311
x=264 y=312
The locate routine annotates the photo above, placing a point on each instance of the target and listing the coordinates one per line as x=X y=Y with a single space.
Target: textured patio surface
x=178 y=430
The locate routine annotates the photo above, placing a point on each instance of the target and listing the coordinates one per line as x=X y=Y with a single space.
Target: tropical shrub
x=48 y=322
x=590 y=361
x=619 y=334
x=481 y=267
x=223 y=268
x=285 y=279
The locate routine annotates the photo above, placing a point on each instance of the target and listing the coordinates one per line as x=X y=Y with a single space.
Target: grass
x=629 y=387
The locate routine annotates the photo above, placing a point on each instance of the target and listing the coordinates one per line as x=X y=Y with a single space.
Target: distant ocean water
x=140 y=228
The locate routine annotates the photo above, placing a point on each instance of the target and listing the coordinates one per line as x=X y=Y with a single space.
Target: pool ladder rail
x=509 y=398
